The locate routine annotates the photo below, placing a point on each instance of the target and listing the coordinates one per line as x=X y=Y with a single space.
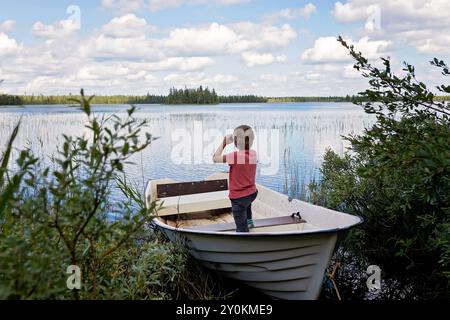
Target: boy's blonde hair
x=243 y=137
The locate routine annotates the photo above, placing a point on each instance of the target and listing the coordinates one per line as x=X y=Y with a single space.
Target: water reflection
x=305 y=129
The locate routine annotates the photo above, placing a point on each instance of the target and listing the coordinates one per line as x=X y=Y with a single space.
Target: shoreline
x=439 y=98
x=169 y=105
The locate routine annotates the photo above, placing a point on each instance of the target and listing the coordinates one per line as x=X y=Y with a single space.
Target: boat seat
x=194 y=196
x=258 y=223
x=194 y=203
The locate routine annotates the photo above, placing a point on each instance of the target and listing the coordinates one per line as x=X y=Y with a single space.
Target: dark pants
x=242 y=210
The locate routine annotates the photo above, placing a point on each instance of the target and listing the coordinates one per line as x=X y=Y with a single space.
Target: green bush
x=396 y=175
x=55 y=216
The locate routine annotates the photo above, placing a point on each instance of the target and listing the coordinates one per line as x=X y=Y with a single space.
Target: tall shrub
x=397 y=177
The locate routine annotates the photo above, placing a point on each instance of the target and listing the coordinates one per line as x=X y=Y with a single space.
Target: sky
x=269 y=48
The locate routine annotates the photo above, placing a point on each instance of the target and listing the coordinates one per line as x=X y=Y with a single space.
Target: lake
x=291 y=138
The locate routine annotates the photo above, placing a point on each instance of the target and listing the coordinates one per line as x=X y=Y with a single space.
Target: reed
x=299 y=182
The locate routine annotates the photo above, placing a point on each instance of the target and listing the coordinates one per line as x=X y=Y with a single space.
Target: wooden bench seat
x=191 y=197
x=259 y=223
x=194 y=203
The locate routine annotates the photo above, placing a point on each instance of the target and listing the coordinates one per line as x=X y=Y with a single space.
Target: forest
x=242 y=99
x=198 y=95
x=347 y=98
x=68 y=99
x=9 y=100
x=192 y=96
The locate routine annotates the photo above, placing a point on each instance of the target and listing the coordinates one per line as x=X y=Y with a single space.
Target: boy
x=242 y=175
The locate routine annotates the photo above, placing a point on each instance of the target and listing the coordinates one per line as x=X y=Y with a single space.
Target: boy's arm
x=218 y=157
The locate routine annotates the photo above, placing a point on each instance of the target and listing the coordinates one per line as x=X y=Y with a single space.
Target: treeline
x=122 y=99
x=176 y=96
x=68 y=99
x=242 y=99
x=198 y=95
x=192 y=96
x=347 y=98
x=8 y=100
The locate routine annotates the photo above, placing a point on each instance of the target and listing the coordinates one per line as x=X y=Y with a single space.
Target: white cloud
x=59 y=29
x=126 y=56
x=218 y=2
x=177 y=78
x=156 y=5
x=8 y=46
x=422 y=11
x=349 y=12
x=313 y=77
x=290 y=14
x=7 y=26
x=180 y=63
x=350 y=72
x=252 y=59
x=191 y=79
x=417 y=23
x=328 y=49
x=274 y=77
x=124 y=6
x=127 y=26
x=44 y=60
x=129 y=6
x=222 y=78
x=281 y=58
x=263 y=37
x=102 y=71
x=213 y=38
x=331 y=73
x=129 y=37
x=123 y=56
x=232 y=2
x=225 y=39
x=435 y=43
x=102 y=46
x=125 y=70
x=150 y=78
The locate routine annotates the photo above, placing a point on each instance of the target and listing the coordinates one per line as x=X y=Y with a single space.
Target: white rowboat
x=284 y=257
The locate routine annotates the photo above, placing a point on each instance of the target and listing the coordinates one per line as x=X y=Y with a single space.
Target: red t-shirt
x=242 y=173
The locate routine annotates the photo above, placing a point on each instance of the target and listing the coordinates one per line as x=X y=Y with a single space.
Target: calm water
x=290 y=137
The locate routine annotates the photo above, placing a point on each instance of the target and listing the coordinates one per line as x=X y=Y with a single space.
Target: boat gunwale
x=259 y=234
x=256 y=234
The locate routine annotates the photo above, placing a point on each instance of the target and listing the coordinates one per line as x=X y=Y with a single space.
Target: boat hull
x=285 y=266
x=283 y=261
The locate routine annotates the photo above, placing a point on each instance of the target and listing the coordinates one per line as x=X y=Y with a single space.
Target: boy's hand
x=228 y=139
